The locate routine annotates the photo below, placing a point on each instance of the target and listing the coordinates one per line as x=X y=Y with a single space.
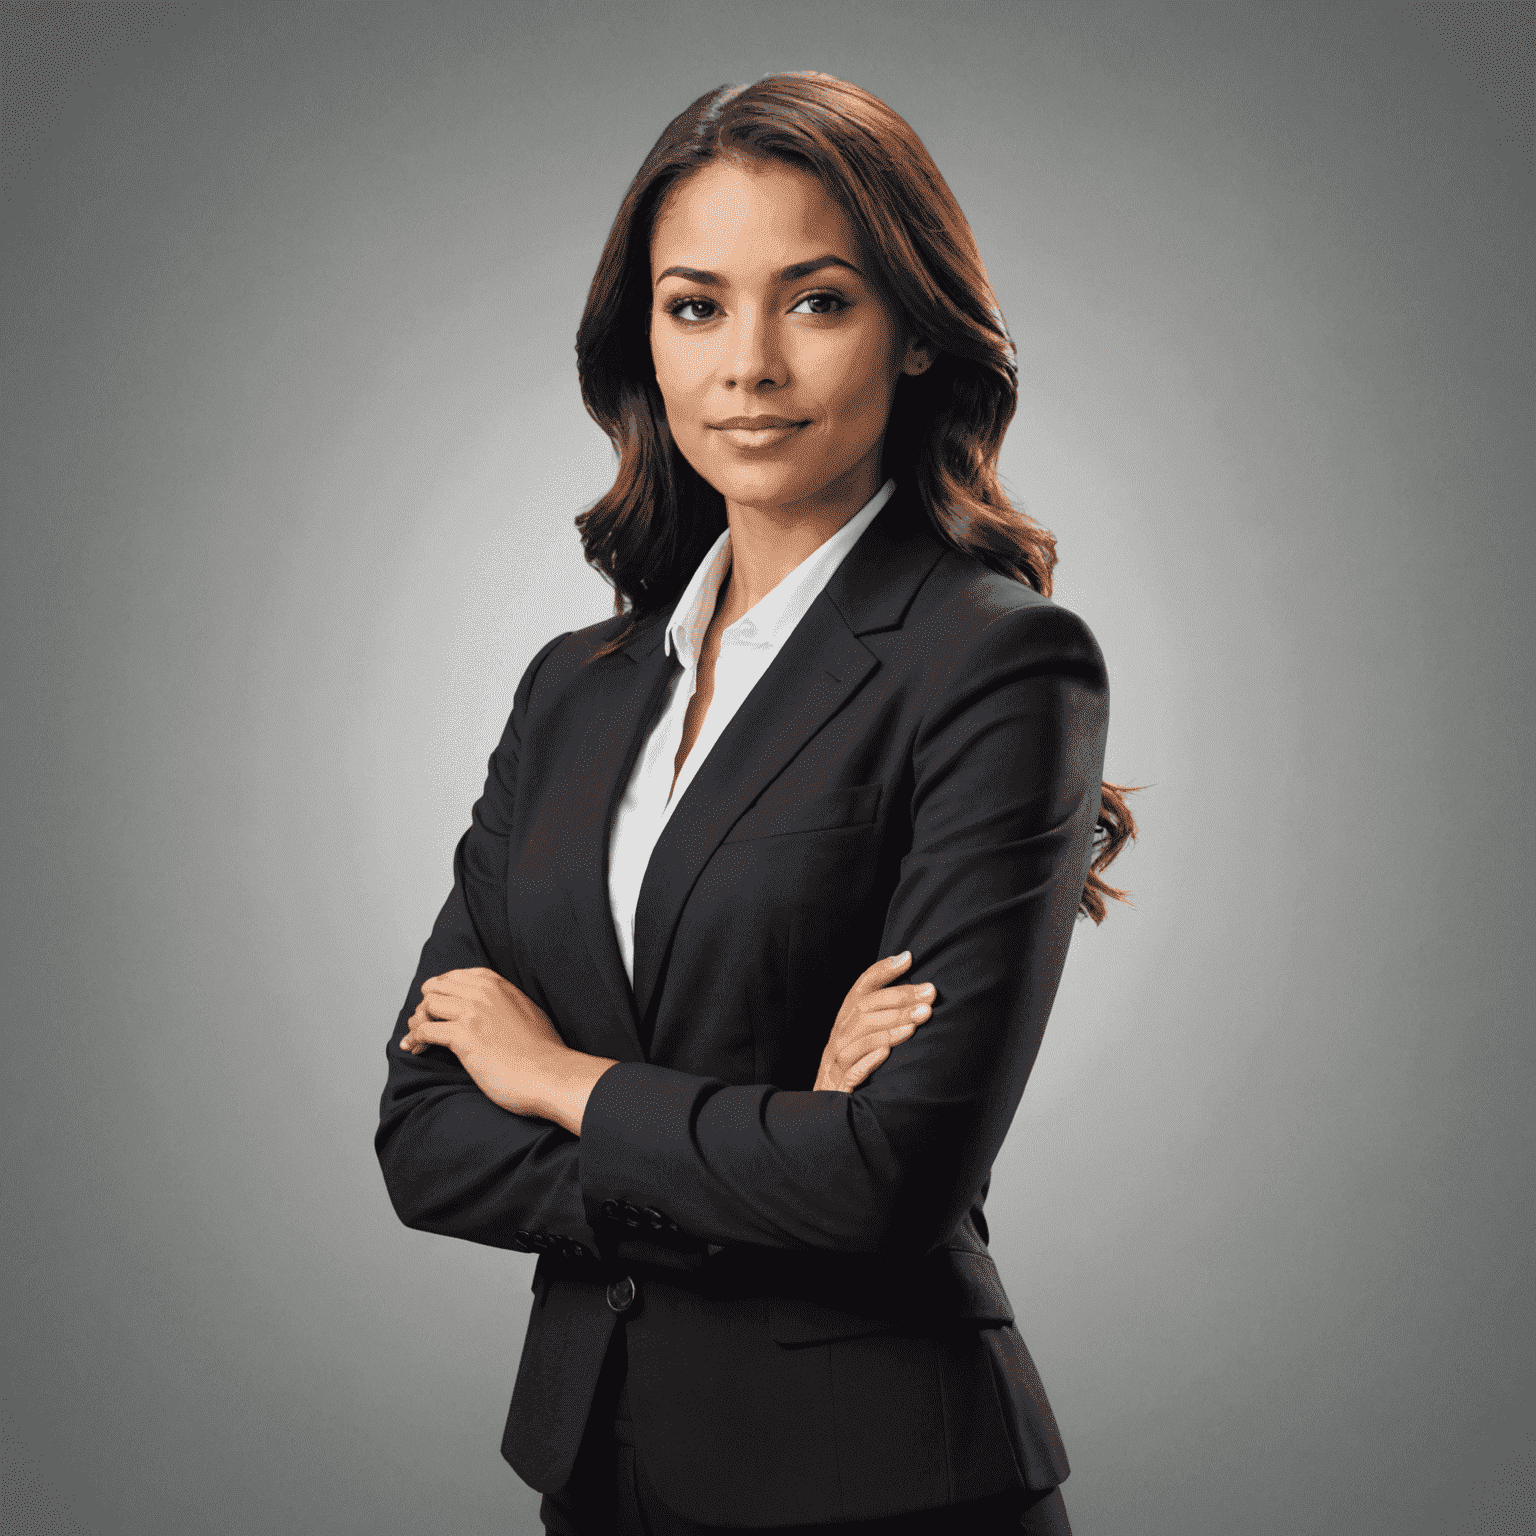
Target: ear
x=919 y=355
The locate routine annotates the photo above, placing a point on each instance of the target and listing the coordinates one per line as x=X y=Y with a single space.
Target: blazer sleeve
x=1007 y=765
x=455 y=1163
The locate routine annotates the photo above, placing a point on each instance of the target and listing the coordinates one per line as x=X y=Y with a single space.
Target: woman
x=821 y=799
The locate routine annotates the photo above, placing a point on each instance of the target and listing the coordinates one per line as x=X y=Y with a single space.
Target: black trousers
x=608 y=1493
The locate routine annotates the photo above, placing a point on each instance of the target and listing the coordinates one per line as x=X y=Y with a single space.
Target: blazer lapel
x=821 y=665
x=627 y=694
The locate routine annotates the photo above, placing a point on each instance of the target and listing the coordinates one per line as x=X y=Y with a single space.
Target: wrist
x=568 y=1078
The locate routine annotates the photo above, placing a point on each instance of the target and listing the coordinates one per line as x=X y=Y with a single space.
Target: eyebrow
x=788 y=275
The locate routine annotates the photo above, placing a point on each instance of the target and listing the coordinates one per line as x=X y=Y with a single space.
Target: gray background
x=292 y=449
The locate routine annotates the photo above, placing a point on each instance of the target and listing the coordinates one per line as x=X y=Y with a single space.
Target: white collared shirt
x=747 y=648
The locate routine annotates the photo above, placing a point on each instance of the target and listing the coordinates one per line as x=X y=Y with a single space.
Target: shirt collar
x=770 y=620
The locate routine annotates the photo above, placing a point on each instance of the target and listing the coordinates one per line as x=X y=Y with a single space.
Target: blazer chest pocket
x=963 y=1287
x=777 y=815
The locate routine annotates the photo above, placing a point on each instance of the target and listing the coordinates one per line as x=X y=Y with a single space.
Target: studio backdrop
x=292 y=450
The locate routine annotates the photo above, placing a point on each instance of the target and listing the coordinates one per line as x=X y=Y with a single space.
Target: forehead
x=740 y=217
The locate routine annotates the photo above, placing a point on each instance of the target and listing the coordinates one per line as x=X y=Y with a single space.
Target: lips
x=754 y=423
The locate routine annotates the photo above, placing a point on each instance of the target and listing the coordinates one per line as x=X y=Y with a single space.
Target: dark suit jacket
x=820 y=1332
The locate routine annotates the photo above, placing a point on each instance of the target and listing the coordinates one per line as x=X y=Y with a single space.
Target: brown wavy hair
x=649 y=532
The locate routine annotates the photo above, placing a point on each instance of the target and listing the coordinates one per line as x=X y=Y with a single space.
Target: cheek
x=674 y=378
x=857 y=381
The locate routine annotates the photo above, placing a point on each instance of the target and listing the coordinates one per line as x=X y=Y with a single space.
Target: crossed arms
x=1006 y=768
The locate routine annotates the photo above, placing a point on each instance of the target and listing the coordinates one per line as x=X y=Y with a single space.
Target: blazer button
x=621 y=1294
x=657 y=1221
x=610 y=1209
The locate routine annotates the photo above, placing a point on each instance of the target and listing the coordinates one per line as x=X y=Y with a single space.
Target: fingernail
x=921 y=1011
x=902 y=958
x=926 y=990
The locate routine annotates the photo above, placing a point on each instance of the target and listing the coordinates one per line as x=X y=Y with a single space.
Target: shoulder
x=570 y=654
x=972 y=616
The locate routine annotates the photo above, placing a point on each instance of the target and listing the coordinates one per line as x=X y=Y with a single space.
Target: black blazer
x=820 y=1333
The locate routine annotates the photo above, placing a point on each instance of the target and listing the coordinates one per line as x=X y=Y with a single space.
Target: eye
x=678 y=306
x=817 y=301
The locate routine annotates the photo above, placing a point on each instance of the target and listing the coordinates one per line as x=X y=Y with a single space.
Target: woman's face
x=761 y=311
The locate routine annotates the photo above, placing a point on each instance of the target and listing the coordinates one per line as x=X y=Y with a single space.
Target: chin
x=770 y=485
x=754 y=484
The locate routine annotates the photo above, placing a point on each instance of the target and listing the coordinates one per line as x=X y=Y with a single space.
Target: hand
x=875 y=1016
x=504 y=1040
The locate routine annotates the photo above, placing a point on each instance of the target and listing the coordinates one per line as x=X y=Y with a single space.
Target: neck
x=769 y=541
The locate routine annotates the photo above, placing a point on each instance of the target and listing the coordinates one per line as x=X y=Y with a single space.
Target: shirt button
x=621 y=1294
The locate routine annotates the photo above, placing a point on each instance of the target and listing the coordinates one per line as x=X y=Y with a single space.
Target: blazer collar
x=875 y=584
x=821 y=665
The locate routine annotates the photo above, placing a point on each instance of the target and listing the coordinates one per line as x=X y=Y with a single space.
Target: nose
x=754 y=358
